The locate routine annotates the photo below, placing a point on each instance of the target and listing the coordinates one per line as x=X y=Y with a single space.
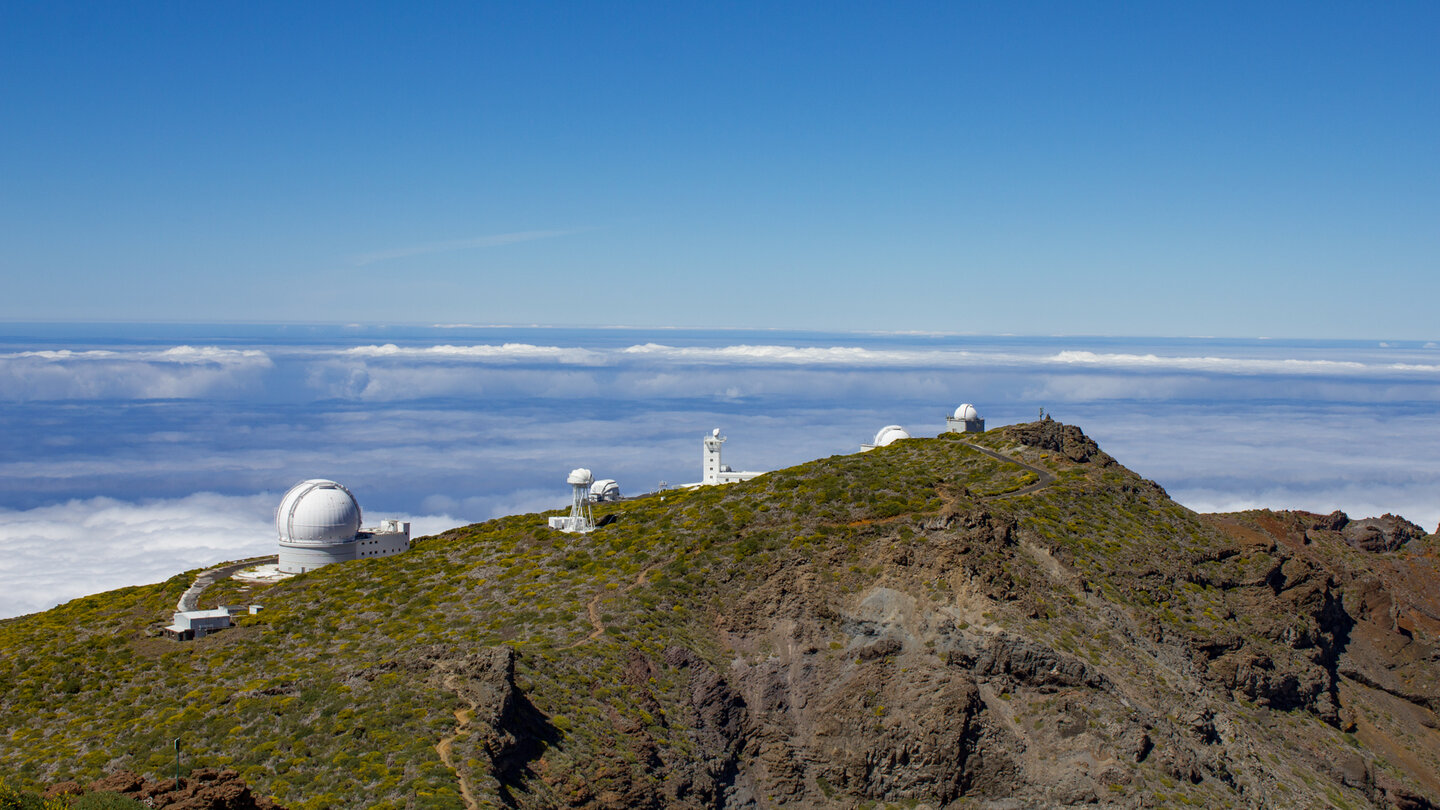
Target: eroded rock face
x=503 y=730
x=894 y=732
x=1068 y=440
x=814 y=731
x=1385 y=533
x=202 y=789
x=717 y=714
x=1002 y=654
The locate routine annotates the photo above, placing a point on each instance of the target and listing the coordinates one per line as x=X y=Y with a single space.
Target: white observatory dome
x=579 y=475
x=606 y=489
x=317 y=511
x=967 y=412
x=888 y=434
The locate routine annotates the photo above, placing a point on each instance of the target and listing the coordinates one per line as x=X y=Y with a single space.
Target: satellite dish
x=715 y=433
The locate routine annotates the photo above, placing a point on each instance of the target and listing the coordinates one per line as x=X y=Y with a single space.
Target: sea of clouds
x=129 y=453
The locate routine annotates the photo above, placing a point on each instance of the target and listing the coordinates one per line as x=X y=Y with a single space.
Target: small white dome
x=317 y=511
x=606 y=489
x=967 y=412
x=888 y=434
x=579 y=475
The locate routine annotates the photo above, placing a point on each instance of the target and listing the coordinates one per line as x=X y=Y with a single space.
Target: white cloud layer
x=177 y=439
x=505 y=352
x=177 y=372
x=387 y=372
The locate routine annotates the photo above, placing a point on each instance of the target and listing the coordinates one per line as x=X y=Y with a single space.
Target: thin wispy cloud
x=492 y=240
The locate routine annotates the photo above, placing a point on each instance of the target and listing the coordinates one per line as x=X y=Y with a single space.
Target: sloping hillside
x=952 y=621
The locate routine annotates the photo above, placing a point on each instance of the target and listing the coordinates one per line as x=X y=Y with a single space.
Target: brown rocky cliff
x=1090 y=643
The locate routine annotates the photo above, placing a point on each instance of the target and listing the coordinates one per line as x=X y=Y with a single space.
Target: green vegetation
x=306 y=701
x=12 y=798
x=332 y=697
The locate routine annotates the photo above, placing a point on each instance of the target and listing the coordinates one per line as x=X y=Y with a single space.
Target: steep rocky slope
x=1006 y=620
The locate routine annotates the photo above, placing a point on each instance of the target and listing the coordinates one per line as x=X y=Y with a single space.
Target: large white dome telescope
x=317 y=511
x=318 y=522
x=966 y=412
x=579 y=475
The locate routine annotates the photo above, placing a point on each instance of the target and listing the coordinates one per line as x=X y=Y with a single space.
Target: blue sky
x=1099 y=168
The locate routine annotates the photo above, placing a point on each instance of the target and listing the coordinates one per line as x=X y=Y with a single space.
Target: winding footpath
x=445 y=748
x=592 y=608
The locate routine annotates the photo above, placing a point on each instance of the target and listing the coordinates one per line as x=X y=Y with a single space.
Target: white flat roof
x=205 y=614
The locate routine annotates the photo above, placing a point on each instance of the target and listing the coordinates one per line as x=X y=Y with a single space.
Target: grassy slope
x=285 y=698
x=306 y=700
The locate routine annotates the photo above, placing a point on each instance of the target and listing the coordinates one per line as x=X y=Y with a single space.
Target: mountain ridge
x=1006 y=619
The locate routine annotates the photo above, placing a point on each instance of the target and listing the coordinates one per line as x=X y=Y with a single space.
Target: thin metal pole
x=177 y=763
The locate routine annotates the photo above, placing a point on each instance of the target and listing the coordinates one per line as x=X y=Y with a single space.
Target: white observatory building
x=604 y=490
x=887 y=436
x=711 y=470
x=580 y=519
x=965 y=420
x=319 y=523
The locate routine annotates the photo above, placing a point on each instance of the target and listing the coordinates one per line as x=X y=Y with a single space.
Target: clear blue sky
x=1085 y=168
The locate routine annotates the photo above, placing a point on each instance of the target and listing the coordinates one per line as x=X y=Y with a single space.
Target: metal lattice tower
x=581 y=518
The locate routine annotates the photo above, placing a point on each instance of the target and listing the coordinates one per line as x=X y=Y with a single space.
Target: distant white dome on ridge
x=888 y=434
x=967 y=412
x=317 y=511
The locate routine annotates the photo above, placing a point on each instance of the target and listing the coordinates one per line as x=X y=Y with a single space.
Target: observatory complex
x=319 y=523
x=965 y=420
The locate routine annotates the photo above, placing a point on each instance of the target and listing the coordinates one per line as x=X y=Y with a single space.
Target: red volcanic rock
x=203 y=789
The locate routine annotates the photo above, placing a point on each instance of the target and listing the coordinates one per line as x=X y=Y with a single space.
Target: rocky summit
x=1009 y=619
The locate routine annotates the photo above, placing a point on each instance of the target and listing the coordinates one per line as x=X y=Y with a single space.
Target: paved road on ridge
x=210 y=576
x=1046 y=477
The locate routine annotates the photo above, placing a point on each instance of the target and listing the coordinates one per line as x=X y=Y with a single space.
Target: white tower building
x=710 y=458
x=886 y=435
x=580 y=518
x=318 y=522
x=965 y=420
x=712 y=471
